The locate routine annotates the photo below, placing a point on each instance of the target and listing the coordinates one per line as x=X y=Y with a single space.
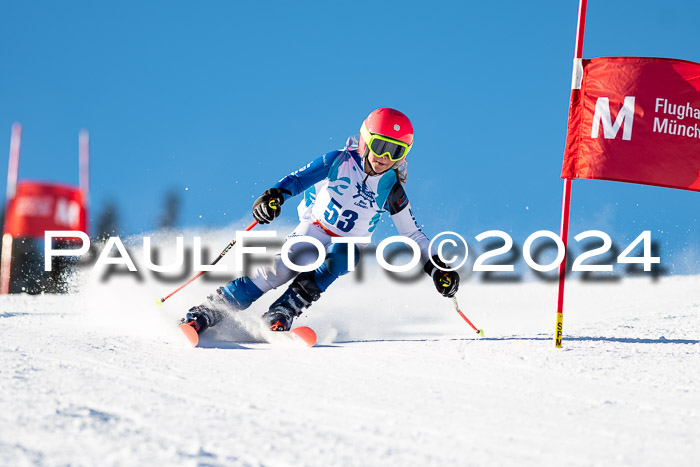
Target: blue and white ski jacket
x=340 y=196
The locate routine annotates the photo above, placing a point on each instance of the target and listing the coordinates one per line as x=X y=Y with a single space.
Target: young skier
x=345 y=193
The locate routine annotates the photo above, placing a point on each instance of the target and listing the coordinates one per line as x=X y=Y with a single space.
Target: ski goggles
x=382 y=146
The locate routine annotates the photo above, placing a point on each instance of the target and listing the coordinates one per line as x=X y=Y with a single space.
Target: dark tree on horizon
x=107 y=224
x=171 y=210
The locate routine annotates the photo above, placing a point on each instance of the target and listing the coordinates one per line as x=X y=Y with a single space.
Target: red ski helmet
x=389 y=123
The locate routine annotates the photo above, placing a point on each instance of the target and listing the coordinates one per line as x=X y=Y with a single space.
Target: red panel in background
x=648 y=129
x=38 y=207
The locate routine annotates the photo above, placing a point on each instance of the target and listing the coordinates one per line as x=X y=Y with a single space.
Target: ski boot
x=281 y=313
x=236 y=295
x=198 y=317
x=209 y=313
x=298 y=296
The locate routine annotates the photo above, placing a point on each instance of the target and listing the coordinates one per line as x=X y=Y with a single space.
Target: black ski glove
x=446 y=282
x=269 y=205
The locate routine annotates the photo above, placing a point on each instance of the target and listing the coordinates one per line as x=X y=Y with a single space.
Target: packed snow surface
x=103 y=377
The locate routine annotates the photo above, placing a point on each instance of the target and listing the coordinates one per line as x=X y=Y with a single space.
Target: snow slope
x=102 y=377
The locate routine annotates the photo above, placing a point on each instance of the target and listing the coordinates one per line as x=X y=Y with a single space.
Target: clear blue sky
x=224 y=98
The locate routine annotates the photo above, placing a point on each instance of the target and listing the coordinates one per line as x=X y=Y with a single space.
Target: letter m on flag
x=625 y=119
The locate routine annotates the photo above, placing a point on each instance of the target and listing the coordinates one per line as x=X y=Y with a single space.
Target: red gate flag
x=635 y=119
x=37 y=207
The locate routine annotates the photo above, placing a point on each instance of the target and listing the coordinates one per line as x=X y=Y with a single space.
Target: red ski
x=304 y=334
x=190 y=334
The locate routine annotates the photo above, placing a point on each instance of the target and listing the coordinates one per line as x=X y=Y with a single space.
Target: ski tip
x=190 y=334
x=305 y=334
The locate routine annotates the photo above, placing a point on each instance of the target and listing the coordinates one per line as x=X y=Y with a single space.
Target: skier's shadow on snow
x=12 y=315
x=624 y=340
x=228 y=345
x=217 y=344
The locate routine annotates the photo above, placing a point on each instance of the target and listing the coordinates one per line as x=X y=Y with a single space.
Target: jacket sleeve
x=312 y=173
x=401 y=214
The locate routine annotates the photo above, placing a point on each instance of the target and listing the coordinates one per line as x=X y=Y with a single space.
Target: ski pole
x=159 y=301
x=480 y=332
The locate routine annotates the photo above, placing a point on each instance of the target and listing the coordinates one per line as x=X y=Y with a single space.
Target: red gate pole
x=84 y=173
x=12 y=172
x=576 y=76
x=564 y=233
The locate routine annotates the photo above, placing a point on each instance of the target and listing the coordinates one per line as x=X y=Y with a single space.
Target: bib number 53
x=333 y=214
